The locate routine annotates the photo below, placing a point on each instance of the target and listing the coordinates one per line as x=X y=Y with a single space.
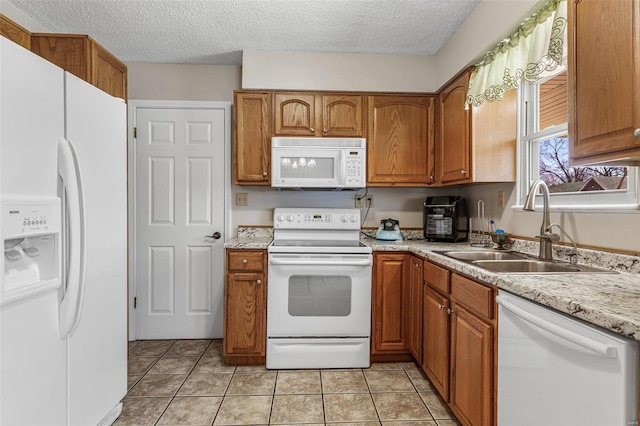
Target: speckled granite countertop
x=611 y=301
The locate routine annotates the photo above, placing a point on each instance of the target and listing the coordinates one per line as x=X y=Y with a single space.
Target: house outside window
x=544 y=154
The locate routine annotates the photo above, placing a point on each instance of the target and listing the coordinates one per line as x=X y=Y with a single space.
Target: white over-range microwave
x=318 y=163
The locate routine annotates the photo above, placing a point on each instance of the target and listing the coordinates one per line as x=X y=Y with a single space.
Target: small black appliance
x=445 y=219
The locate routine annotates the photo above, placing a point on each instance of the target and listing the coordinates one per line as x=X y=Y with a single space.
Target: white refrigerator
x=63 y=276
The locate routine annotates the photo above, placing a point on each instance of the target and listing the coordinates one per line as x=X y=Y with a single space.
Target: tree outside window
x=554 y=169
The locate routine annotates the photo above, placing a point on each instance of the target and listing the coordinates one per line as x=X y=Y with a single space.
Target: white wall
x=403 y=204
x=21 y=18
x=616 y=231
x=337 y=71
x=150 y=81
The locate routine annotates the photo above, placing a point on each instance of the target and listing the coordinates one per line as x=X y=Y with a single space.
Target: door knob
x=215 y=236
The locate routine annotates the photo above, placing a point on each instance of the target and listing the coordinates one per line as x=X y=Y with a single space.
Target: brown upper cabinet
x=252 y=138
x=15 y=32
x=400 y=140
x=312 y=114
x=85 y=58
x=604 y=82
x=477 y=144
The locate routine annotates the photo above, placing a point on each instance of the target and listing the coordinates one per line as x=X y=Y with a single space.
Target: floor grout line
x=217 y=362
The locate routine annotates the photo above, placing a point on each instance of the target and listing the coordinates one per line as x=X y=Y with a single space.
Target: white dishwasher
x=554 y=370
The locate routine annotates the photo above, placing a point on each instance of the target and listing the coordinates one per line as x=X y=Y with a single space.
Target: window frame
x=617 y=201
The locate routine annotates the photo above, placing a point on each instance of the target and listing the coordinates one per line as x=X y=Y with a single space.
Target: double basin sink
x=509 y=262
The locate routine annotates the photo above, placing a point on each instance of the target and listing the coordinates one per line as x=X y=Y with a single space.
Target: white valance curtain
x=536 y=47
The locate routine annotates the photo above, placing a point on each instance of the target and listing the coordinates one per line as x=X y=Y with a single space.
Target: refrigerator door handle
x=71 y=304
x=578 y=339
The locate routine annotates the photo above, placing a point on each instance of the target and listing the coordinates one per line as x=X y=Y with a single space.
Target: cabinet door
x=252 y=139
x=400 y=141
x=416 y=280
x=453 y=138
x=245 y=314
x=107 y=72
x=604 y=76
x=342 y=115
x=471 y=393
x=390 y=296
x=435 y=338
x=294 y=114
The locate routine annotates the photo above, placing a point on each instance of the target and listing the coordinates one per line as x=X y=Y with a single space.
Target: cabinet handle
x=312 y=130
x=636 y=133
x=245 y=261
x=264 y=174
x=325 y=130
x=450 y=311
x=258 y=282
x=440 y=306
x=464 y=172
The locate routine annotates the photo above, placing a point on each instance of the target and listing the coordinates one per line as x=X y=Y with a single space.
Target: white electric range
x=319 y=290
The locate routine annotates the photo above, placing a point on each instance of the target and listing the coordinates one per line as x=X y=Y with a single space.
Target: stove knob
x=290 y=218
x=354 y=218
x=281 y=217
x=344 y=218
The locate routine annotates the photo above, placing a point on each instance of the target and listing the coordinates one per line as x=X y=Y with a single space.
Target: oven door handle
x=330 y=262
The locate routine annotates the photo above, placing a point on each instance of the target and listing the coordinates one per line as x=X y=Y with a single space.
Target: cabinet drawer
x=473 y=295
x=245 y=260
x=437 y=278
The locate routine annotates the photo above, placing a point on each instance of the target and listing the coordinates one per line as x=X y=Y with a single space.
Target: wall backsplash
x=403 y=204
x=622 y=232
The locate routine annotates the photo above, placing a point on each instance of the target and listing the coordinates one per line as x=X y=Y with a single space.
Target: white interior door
x=180 y=221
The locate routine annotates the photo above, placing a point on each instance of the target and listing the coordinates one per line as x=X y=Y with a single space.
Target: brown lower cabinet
x=458 y=347
x=389 y=306
x=245 y=310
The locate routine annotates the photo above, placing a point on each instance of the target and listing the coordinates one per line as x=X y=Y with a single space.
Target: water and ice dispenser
x=30 y=231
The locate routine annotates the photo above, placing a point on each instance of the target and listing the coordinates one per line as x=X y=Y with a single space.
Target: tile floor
x=185 y=382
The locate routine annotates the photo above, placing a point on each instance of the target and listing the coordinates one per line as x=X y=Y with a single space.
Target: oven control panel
x=321 y=218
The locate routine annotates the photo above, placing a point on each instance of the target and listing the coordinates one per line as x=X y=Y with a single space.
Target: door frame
x=133 y=106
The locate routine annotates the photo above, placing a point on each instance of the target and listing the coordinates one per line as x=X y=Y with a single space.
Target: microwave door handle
x=341 y=169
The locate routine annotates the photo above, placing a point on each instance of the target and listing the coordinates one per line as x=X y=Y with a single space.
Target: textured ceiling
x=216 y=31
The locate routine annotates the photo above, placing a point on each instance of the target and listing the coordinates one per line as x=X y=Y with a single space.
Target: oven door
x=319 y=295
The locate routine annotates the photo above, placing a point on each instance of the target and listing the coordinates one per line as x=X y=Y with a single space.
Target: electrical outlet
x=368 y=201
x=359 y=201
x=242 y=199
x=501 y=199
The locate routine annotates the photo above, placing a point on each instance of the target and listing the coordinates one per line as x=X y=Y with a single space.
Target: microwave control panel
x=355 y=165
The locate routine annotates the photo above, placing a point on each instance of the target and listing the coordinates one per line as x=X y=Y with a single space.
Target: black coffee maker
x=446 y=219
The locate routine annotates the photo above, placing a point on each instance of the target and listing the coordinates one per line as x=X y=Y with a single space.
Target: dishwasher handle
x=583 y=341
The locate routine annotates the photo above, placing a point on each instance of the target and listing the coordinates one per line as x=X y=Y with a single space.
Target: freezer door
x=96 y=126
x=557 y=370
x=32 y=355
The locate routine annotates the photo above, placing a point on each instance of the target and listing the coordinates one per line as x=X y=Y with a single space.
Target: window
x=544 y=154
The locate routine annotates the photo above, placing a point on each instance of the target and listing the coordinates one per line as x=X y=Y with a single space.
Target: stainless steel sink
x=471 y=255
x=508 y=262
x=525 y=266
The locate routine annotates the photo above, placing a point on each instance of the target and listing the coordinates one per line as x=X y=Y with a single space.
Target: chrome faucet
x=573 y=254
x=546 y=237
